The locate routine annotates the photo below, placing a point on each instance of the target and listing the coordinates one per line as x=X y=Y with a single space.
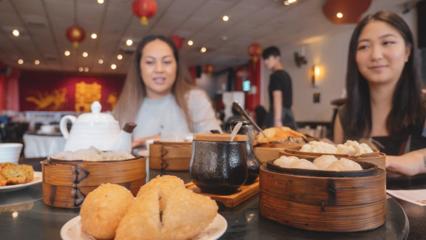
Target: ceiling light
x=67 y=53
x=80 y=69
x=86 y=69
x=20 y=61
x=85 y=54
x=100 y=61
x=203 y=49
x=120 y=57
x=225 y=18
x=289 y=2
x=16 y=33
x=129 y=42
x=101 y=1
x=36 y=62
x=224 y=38
x=339 y=15
x=113 y=66
x=93 y=35
x=190 y=42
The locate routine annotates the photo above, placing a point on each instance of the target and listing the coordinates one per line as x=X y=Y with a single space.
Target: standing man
x=280 y=90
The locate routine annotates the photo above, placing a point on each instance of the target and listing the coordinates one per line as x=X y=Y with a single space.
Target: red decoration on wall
x=144 y=9
x=254 y=50
x=55 y=91
x=351 y=10
x=208 y=69
x=177 y=40
x=75 y=34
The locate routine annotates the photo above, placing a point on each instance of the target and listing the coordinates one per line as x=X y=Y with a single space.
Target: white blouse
x=163 y=116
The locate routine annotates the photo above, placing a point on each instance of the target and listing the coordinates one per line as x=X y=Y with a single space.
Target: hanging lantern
x=254 y=50
x=177 y=40
x=144 y=9
x=75 y=34
x=208 y=69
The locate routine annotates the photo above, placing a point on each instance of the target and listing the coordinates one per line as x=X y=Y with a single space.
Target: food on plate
x=165 y=209
x=279 y=134
x=103 y=209
x=351 y=148
x=92 y=154
x=11 y=173
x=162 y=209
x=323 y=163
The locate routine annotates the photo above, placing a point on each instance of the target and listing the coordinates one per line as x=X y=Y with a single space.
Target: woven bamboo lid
x=209 y=137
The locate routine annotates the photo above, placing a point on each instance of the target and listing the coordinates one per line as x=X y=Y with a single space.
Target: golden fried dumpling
x=103 y=209
x=164 y=209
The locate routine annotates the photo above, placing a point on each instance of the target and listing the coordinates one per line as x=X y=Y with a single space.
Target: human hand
x=138 y=142
x=406 y=165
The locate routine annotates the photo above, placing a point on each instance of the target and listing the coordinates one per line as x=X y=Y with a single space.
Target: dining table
x=23 y=215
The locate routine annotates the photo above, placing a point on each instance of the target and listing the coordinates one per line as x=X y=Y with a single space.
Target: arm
x=338 y=131
x=201 y=112
x=278 y=96
x=138 y=142
x=410 y=164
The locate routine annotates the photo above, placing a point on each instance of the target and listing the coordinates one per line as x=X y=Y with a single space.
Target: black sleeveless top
x=393 y=145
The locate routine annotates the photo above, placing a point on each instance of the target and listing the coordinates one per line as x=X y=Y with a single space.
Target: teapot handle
x=63 y=125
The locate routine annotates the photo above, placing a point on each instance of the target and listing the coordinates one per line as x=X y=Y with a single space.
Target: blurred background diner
x=57 y=57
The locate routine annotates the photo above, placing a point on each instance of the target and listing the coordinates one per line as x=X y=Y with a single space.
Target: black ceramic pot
x=218 y=166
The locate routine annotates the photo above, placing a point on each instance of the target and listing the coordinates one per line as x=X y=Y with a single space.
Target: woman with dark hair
x=159 y=96
x=384 y=100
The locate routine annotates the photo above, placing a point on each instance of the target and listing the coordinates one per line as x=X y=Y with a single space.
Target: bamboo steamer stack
x=325 y=202
x=66 y=183
x=173 y=156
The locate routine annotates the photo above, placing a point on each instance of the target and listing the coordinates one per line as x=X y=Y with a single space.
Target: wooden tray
x=245 y=192
x=172 y=156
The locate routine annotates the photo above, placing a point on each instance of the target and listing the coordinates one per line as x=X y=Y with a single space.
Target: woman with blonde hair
x=159 y=96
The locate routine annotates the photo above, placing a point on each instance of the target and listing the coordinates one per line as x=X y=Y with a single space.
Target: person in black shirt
x=280 y=90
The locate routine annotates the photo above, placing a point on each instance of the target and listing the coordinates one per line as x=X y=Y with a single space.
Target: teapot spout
x=124 y=139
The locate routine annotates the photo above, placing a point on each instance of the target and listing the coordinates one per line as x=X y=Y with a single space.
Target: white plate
x=9 y=188
x=71 y=230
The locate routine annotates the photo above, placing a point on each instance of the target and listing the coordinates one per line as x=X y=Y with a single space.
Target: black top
x=280 y=80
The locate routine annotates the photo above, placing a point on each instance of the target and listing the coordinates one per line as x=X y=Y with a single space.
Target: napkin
x=417 y=196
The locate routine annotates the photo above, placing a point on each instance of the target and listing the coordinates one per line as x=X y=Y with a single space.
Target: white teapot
x=96 y=129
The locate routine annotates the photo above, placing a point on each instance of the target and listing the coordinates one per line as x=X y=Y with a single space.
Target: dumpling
x=285 y=161
x=349 y=165
x=318 y=147
x=303 y=164
x=335 y=166
x=324 y=161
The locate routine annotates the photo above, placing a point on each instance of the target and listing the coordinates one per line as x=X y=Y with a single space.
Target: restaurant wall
x=329 y=52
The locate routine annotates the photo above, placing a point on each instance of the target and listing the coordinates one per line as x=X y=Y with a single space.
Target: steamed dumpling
x=324 y=161
x=285 y=161
x=318 y=147
x=349 y=165
x=303 y=164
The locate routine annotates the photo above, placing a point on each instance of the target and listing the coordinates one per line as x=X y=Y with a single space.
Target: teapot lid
x=96 y=115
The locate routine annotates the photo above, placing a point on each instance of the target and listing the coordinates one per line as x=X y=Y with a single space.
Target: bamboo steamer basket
x=376 y=158
x=269 y=151
x=67 y=183
x=172 y=156
x=325 y=202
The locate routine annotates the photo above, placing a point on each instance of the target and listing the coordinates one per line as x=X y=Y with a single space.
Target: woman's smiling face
x=158 y=68
x=381 y=53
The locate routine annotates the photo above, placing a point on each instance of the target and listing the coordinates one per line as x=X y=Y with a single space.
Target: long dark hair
x=407 y=110
x=134 y=90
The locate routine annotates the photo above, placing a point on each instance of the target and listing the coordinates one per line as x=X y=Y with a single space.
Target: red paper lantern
x=208 y=69
x=144 y=9
x=254 y=50
x=177 y=40
x=75 y=34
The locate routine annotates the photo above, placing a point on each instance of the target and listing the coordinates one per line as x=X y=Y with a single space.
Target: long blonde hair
x=134 y=90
